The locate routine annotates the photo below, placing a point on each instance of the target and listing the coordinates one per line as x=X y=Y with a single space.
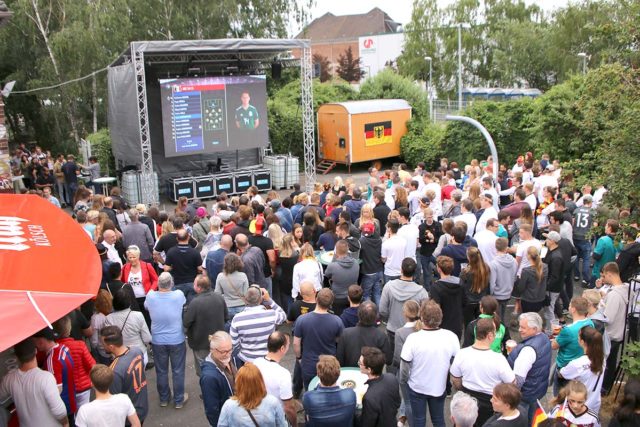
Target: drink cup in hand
x=511 y=344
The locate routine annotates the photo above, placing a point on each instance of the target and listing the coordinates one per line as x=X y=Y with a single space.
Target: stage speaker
x=276 y=70
x=223 y=183
x=204 y=187
x=242 y=181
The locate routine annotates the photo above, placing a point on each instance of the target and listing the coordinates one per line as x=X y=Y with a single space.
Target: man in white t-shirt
x=478 y=369
x=430 y=184
x=526 y=241
x=393 y=250
x=486 y=240
x=276 y=378
x=487 y=187
x=409 y=232
x=107 y=409
x=545 y=180
x=489 y=211
x=531 y=198
x=424 y=364
x=467 y=216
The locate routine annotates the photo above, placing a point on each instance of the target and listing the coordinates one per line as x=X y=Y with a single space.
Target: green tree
x=349 y=67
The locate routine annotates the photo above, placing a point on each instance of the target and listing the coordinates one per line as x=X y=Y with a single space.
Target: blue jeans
x=427 y=271
x=187 y=290
x=70 y=189
x=584 y=253
x=372 y=287
x=405 y=403
x=389 y=278
x=419 y=403
x=162 y=354
x=530 y=408
x=268 y=285
x=232 y=312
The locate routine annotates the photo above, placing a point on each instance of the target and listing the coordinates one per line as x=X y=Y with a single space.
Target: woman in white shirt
x=308 y=269
x=588 y=369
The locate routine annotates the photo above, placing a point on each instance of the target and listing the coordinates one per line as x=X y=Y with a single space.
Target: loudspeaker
x=276 y=70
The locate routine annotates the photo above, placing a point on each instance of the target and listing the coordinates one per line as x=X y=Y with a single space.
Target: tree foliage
x=50 y=42
x=349 y=67
x=388 y=84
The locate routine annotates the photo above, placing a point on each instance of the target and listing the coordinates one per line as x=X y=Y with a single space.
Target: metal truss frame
x=308 y=124
x=138 y=59
x=148 y=194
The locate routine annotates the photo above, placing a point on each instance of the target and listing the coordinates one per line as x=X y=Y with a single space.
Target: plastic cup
x=555 y=326
x=511 y=344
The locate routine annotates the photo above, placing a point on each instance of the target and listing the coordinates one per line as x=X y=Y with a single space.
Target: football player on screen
x=247 y=114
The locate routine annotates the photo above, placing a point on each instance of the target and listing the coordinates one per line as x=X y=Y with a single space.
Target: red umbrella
x=48 y=266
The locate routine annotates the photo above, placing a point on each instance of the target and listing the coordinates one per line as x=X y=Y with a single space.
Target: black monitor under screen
x=213 y=114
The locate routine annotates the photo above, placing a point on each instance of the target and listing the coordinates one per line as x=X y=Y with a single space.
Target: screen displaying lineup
x=213 y=114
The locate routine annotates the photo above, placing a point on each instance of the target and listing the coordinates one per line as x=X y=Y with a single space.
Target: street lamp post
x=430 y=89
x=460 y=26
x=583 y=55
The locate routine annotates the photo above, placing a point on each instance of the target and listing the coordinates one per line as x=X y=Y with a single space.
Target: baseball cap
x=275 y=204
x=225 y=215
x=46 y=333
x=425 y=200
x=368 y=229
x=257 y=226
x=554 y=235
x=201 y=212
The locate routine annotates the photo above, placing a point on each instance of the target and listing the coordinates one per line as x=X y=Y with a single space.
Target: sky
x=398 y=10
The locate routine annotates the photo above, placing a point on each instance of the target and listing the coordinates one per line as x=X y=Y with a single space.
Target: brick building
x=332 y=35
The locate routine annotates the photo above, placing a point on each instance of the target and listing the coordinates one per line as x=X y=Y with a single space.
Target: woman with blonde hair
x=474 y=279
x=182 y=205
x=288 y=255
x=92 y=223
x=531 y=287
x=338 y=187
x=308 y=269
x=366 y=217
x=275 y=233
x=251 y=406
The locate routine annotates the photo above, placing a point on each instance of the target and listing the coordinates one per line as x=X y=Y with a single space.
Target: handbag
x=252 y=417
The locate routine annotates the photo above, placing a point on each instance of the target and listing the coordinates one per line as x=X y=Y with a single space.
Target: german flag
x=377 y=133
x=539 y=416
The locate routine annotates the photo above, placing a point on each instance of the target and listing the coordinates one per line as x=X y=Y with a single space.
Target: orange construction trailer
x=360 y=131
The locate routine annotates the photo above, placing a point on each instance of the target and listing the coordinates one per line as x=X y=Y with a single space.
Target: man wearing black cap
x=33 y=390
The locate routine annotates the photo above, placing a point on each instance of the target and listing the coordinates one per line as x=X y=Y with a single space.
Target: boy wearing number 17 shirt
x=128 y=370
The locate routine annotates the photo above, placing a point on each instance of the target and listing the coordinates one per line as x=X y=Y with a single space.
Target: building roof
x=332 y=27
x=373 y=105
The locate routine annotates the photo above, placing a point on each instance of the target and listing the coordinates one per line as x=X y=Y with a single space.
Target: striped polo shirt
x=251 y=328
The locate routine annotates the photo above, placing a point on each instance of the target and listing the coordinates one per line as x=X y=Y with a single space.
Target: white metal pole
x=460 y=66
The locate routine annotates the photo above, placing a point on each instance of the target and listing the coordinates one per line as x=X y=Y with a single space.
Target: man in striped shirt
x=250 y=329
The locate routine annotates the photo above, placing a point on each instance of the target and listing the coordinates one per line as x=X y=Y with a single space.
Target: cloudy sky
x=399 y=10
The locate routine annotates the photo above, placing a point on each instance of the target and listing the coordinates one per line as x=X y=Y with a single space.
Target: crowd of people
x=409 y=278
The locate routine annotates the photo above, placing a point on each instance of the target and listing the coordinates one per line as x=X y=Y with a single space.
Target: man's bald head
x=183 y=236
x=307 y=289
x=109 y=236
x=226 y=242
x=242 y=241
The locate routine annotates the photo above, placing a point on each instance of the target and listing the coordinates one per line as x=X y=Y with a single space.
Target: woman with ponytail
x=474 y=279
x=531 y=287
x=488 y=310
x=588 y=368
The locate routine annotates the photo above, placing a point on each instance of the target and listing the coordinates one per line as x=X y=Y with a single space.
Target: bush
x=390 y=85
x=422 y=143
x=508 y=123
x=285 y=113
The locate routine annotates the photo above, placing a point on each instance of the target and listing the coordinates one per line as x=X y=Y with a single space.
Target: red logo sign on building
x=368 y=43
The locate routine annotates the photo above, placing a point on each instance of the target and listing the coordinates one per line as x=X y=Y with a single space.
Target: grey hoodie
x=394 y=294
x=600 y=321
x=343 y=272
x=503 y=276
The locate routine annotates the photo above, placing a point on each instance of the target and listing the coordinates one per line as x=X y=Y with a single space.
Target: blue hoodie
x=215 y=390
